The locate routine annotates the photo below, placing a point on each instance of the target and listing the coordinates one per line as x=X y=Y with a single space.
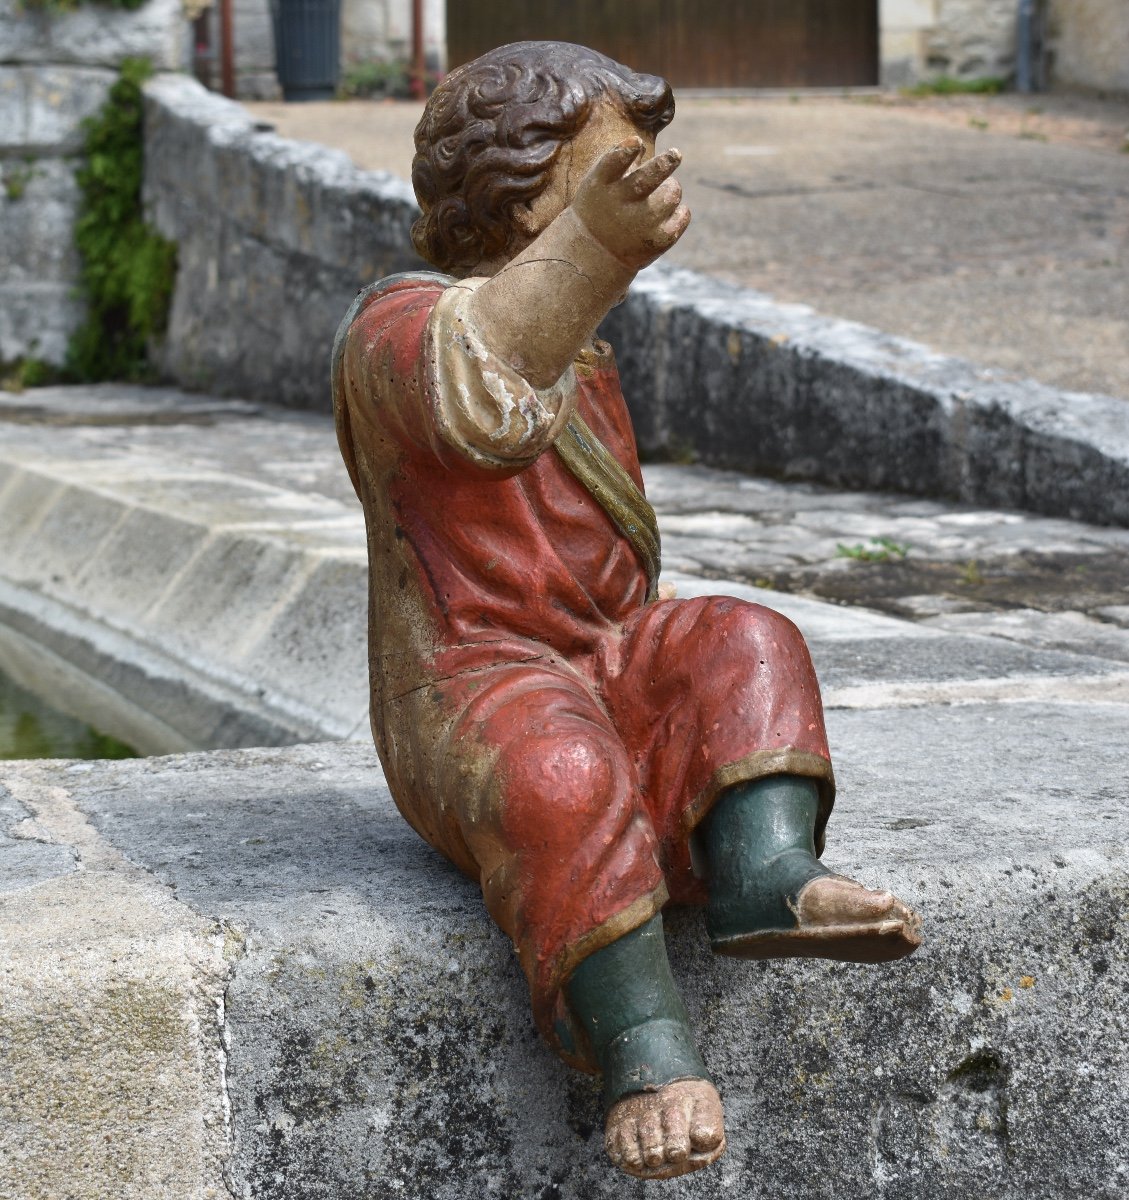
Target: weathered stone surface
x=177 y=604
x=972 y=39
x=376 y=1029
x=95 y=35
x=111 y=1006
x=729 y=375
x=41 y=110
x=42 y=107
x=37 y=320
x=1089 y=39
x=37 y=233
x=274 y=240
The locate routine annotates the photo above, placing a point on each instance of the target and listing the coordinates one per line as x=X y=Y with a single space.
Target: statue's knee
x=563 y=784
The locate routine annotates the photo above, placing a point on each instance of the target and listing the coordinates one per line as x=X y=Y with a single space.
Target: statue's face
x=604 y=129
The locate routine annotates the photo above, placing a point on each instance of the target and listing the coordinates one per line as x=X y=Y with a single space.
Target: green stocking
x=625 y=997
x=760 y=851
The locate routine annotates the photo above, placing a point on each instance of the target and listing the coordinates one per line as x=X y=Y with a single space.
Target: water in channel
x=31 y=729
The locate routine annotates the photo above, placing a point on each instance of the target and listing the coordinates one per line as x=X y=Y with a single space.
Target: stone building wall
x=965 y=39
x=382 y=30
x=1090 y=44
x=54 y=71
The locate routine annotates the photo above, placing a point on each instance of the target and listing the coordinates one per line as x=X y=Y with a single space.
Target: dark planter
x=307 y=43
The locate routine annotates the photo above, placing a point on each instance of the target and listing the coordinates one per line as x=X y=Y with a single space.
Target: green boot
x=761 y=867
x=625 y=998
x=664 y=1115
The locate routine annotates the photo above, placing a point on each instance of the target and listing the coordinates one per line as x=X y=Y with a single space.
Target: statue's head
x=493 y=132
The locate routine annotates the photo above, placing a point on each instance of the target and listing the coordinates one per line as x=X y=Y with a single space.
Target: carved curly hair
x=493 y=129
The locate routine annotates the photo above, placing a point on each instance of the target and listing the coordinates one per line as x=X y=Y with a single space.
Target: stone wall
x=965 y=39
x=54 y=71
x=275 y=238
x=1090 y=44
x=382 y=29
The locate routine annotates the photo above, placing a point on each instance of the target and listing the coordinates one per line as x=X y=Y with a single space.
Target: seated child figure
x=545 y=718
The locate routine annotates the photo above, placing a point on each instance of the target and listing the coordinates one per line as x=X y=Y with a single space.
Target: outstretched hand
x=636 y=215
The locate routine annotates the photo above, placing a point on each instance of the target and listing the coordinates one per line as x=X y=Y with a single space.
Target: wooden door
x=693 y=43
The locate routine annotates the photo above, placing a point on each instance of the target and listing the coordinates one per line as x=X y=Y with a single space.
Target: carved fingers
x=635 y=212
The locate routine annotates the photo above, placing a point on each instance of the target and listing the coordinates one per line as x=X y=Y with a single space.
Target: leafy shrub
x=127 y=269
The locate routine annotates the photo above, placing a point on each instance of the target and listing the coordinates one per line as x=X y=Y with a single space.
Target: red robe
x=540 y=723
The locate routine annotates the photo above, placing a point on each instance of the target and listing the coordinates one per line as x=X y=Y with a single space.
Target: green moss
x=946 y=85
x=16 y=178
x=65 y=6
x=127 y=269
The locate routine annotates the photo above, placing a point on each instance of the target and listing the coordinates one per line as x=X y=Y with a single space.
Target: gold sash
x=597 y=470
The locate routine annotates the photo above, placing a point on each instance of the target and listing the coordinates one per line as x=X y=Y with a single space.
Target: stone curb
x=737 y=380
x=188 y=573
x=276 y=236
x=180 y=607
x=371 y=1027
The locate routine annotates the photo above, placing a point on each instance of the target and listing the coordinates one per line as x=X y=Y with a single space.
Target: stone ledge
x=186 y=572
x=276 y=236
x=743 y=381
x=376 y=1029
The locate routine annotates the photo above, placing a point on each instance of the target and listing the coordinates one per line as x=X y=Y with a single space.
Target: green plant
x=65 y=6
x=947 y=85
x=970 y=574
x=375 y=78
x=127 y=269
x=378 y=79
x=978 y=123
x=16 y=179
x=881 y=549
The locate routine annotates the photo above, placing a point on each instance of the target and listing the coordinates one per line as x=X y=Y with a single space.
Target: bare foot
x=676 y=1130
x=836 y=918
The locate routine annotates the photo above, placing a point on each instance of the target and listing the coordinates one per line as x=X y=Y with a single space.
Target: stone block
x=906 y=14
x=1090 y=40
x=94 y=35
x=39 y=207
x=376 y=1025
x=973 y=38
x=61 y=533
x=112 y=1081
x=42 y=107
x=315 y=648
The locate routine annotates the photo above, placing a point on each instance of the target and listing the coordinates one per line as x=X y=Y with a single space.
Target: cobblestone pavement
x=977 y=225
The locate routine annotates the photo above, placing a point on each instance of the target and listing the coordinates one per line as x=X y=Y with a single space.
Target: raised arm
x=543 y=306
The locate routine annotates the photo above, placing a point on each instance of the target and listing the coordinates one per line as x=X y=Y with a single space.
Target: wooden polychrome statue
x=546 y=718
